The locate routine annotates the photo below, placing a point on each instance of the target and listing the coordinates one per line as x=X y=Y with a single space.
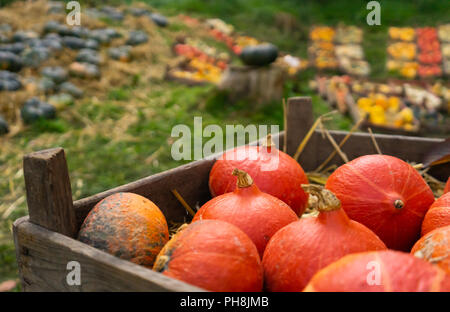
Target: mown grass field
x=126 y=134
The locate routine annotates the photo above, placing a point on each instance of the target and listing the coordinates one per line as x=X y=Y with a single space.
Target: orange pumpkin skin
x=127 y=226
x=434 y=247
x=214 y=255
x=273 y=171
x=398 y=272
x=258 y=214
x=438 y=214
x=297 y=251
x=385 y=194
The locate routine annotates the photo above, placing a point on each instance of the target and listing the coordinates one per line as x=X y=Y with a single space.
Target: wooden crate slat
x=407 y=148
x=43 y=256
x=49 y=194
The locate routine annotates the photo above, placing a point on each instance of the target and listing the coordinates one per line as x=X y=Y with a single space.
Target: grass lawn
x=126 y=134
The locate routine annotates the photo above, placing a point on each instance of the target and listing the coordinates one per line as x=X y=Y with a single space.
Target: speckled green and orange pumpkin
x=127 y=226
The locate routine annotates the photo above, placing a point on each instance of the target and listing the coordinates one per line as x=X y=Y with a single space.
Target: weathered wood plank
x=49 y=194
x=407 y=148
x=43 y=255
x=299 y=120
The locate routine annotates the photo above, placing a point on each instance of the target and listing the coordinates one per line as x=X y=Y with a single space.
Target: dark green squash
x=35 y=56
x=76 y=43
x=4 y=128
x=100 y=35
x=88 y=56
x=259 y=55
x=34 y=109
x=9 y=81
x=159 y=19
x=23 y=36
x=52 y=27
x=10 y=61
x=15 y=48
x=137 y=37
x=55 y=73
x=122 y=53
x=70 y=88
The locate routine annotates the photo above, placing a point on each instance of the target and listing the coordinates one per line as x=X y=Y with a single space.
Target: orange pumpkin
x=258 y=214
x=447 y=186
x=214 y=255
x=301 y=248
x=438 y=214
x=435 y=247
x=273 y=171
x=127 y=226
x=386 y=194
x=380 y=271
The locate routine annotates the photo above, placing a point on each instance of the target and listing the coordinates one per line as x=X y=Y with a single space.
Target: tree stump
x=261 y=84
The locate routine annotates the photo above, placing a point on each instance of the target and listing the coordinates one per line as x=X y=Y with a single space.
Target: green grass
x=119 y=140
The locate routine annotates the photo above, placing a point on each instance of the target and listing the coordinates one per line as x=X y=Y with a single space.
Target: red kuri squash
x=258 y=214
x=385 y=194
x=380 y=271
x=273 y=171
x=435 y=247
x=438 y=215
x=214 y=255
x=128 y=226
x=301 y=248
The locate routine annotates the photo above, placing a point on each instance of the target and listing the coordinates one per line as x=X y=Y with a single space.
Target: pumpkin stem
x=161 y=263
x=327 y=201
x=268 y=142
x=398 y=204
x=243 y=178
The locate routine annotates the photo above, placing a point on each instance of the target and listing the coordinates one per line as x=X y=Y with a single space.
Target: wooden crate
x=45 y=241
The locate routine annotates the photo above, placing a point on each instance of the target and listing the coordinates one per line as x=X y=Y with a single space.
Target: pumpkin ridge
x=382 y=224
x=373 y=185
x=393 y=185
x=414 y=212
x=425 y=188
x=406 y=181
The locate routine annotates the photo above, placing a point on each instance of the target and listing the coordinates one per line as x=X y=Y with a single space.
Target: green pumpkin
x=159 y=19
x=33 y=110
x=4 y=129
x=259 y=55
x=10 y=61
